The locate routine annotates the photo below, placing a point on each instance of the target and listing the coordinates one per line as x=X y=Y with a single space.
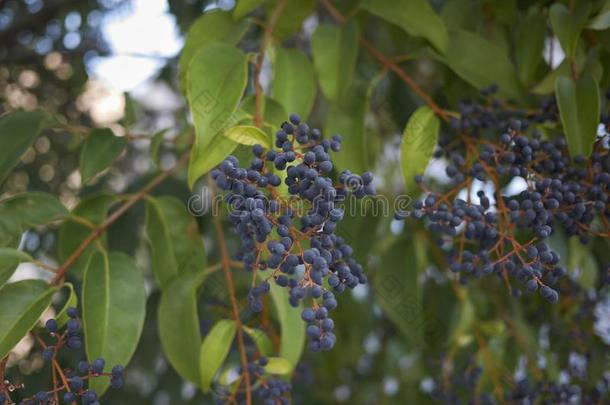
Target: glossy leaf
x=273 y=112
x=568 y=25
x=18 y=130
x=347 y=118
x=247 y=135
x=397 y=292
x=481 y=63
x=178 y=312
x=416 y=17
x=71 y=302
x=292 y=327
x=291 y=17
x=113 y=310
x=214 y=350
x=173 y=234
x=9 y=260
x=294 y=84
x=27 y=210
x=464 y=316
x=164 y=263
x=244 y=7
x=462 y=14
x=215 y=84
x=334 y=51
x=100 y=150
x=579 y=107
x=22 y=305
x=218 y=150
x=155 y=145
x=529 y=44
x=92 y=210
x=418 y=142
x=278 y=366
x=582 y=264
x=213 y=26
x=262 y=341
x=601 y=21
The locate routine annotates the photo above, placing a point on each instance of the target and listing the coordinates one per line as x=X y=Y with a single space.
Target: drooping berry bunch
x=465 y=383
x=69 y=385
x=268 y=388
x=491 y=148
x=293 y=233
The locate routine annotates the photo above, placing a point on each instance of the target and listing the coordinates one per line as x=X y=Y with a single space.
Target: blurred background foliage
x=114 y=63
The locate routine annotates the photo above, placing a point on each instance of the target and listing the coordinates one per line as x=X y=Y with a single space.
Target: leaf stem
x=268 y=37
x=99 y=231
x=225 y=261
x=389 y=64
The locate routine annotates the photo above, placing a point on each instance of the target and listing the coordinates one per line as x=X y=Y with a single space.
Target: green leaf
x=213 y=26
x=247 y=135
x=94 y=210
x=568 y=25
x=416 y=17
x=601 y=21
x=18 y=130
x=464 y=14
x=216 y=81
x=582 y=264
x=292 y=327
x=72 y=302
x=347 y=118
x=294 y=84
x=244 y=7
x=292 y=16
x=529 y=43
x=9 y=260
x=214 y=350
x=481 y=63
x=100 y=150
x=397 y=292
x=114 y=307
x=260 y=338
x=464 y=316
x=218 y=150
x=178 y=322
x=418 y=141
x=175 y=242
x=164 y=263
x=155 y=145
x=547 y=84
x=27 y=210
x=334 y=50
x=274 y=113
x=578 y=103
x=278 y=366
x=22 y=305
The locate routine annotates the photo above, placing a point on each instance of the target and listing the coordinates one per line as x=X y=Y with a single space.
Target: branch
x=389 y=64
x=277 y=12
x=99 y=231
x=225 y=261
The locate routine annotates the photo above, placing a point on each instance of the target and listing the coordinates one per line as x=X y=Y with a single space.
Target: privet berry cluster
x=268 y=388
x=70 y=385
x=293 y=235
x=451 y=388
x=498 y=233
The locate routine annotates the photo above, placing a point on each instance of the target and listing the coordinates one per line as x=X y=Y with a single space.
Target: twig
x=258 y=116
x=99 y=231
x=389 y=64
x=225 y=260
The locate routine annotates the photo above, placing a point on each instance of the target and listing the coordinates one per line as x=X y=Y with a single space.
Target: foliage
x=479 y=262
